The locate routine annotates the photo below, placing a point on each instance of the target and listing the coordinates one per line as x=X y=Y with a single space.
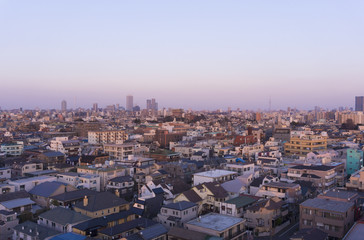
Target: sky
x=198 y=54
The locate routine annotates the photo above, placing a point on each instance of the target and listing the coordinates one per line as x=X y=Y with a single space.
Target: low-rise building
x=290 y=192
x=268 y=216
x=101 y=204
x=324 y=177
x=28 y=183
x=5 y=173
x=213 y=176
x=8 y=220
x=125 y=185
x=223 y=226
x=105 y=172
x=356 y=180
x=80 y=181
x=12 y=148
x=61 y=219
x=176 y=214
x=333 y=217
x=30 y=230
x=236 y=206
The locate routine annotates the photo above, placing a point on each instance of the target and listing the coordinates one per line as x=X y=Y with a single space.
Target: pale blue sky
x=192 y=54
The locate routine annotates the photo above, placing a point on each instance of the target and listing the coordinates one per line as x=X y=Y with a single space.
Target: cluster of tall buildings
x=129 y=106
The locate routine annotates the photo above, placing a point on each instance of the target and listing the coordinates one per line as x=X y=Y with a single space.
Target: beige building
x=106 y=173
x=103 y=137
x=101 y=204
x=322 y=176
x=356 y=180
x=120 y=151
x=302 y=145
x=268 y=216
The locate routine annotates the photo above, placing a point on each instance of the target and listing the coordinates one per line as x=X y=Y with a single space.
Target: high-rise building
x=95 y=107
x=152 y=104
x=149 y=104
x=359 y=103
x=129 y=103
x=64 y=106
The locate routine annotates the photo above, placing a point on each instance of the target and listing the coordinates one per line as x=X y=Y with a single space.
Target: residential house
x=61 y=219
x=68 y=199
x=176 y=214
x=236 y=206
x=290 y=192
x=8 y=220
x=105 y=172
x=30 y=230
x=18 y=202
x=28 y=183
x=124 y=184
x=80 y=181
x=126 y=229
x=213 y=176
x=154 y=232
x=43 y=192
x=267 y=216
x=19 y=169
x=101 y=204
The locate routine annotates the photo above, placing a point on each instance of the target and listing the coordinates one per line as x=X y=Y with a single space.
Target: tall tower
x=95 y=107
x=64 y=106
x=359 y=103
x=129 y=103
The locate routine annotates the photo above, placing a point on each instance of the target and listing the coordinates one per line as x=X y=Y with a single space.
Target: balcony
x=331 y=176
x=296 y=175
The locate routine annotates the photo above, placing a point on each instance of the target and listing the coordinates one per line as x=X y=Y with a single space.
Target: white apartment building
x=120 y=151
x=102 y=137
x=105 y=172
x=28 y=183
x=13 y=149
x=213 y=176
x=65 y=146
x=80 y=181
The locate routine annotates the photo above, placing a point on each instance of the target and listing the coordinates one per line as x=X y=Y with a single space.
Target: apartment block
x=302 y=145
x=354 y=160
x=102 y=137
x=322 y=176
x=333 y=217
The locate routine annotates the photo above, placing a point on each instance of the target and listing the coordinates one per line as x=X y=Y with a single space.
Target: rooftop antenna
x=270 y=103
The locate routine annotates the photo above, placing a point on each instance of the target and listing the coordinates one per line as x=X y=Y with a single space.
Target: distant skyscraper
x=149 y=104
x=64 y=106
x=95 y=107
x=129 y=103
x=152 y=104
x=359 y=103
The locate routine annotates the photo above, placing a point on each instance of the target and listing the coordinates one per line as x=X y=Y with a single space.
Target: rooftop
x=216 y=222
x=329 y=205
x=215 y=173
x=180 y=205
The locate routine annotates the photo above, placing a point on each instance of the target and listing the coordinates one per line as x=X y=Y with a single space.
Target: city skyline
x=198 y=55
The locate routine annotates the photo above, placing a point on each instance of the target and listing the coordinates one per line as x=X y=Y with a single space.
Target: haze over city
x=187 y=54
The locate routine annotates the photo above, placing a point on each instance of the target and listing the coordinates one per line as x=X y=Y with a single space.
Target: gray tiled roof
x=63 y=216
x=180 y=205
